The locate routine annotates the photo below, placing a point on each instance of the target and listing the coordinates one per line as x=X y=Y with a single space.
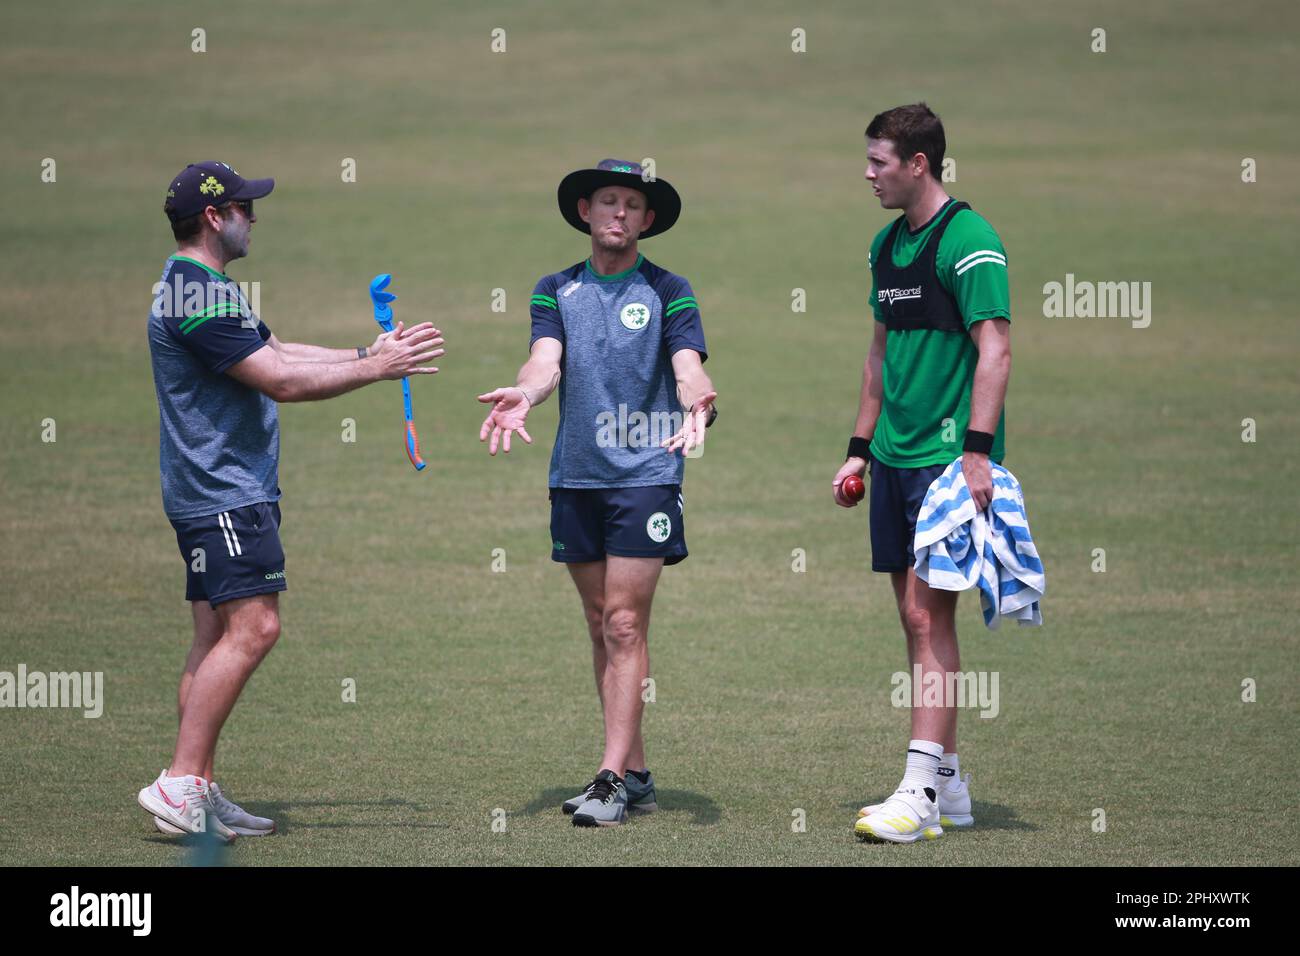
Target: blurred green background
x=473 y=687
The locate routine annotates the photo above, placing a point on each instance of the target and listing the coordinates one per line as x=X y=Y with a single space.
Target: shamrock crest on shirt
x=635 y=316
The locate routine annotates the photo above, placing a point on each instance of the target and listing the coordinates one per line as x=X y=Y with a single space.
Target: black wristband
x=859 y=448
x=981 y=442
x=361 y=351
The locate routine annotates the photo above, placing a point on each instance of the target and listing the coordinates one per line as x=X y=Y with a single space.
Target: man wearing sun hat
x=218 y=374
x=621 y=340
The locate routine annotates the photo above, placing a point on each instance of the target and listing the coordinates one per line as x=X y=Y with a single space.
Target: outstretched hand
x=404 y=352
x=509 y=411
x=693 y=426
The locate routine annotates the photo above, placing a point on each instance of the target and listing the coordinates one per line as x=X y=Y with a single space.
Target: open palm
x=508 y=414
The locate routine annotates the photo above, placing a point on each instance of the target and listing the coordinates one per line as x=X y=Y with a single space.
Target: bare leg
x=249 y=629
x=629 y=591
x=589 y=577
x=207 y=631
x=929 y=617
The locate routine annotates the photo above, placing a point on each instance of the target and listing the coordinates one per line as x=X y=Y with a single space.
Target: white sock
x=923 y=758
x=949 y=772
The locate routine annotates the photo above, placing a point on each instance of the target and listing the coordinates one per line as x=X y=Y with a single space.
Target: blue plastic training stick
x=384 y=316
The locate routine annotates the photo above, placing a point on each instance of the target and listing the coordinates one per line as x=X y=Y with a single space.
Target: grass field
x=773 y=687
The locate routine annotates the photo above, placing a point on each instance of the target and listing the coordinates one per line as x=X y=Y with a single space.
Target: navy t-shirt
x=218 y=439
x=618 y=394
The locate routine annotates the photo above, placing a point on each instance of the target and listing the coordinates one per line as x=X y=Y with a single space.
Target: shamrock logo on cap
x=210 y=185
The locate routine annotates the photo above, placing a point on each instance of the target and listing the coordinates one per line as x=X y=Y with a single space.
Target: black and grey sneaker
x=569 y=806
x=641 y=796
x=606 y=803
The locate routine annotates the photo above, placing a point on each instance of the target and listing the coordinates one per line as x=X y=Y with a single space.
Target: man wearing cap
x=621 y=339
x=218 y=373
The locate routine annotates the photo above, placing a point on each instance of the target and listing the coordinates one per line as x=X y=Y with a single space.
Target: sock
x=923 y=758
x=949 y=772
x=641 y=775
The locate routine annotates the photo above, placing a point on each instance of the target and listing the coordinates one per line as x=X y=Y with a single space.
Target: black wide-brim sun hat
x=580 y=184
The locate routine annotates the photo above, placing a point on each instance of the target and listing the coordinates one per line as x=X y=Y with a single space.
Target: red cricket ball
x=853 y=488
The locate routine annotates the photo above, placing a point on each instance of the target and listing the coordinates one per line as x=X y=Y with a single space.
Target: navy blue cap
x=200 y=185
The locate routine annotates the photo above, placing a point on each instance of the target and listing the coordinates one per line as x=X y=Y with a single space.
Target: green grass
x=474 y=688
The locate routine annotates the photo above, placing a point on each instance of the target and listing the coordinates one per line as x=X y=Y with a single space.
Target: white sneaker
x=239 y=819
x=954 y=805
x=186 y=804
x=907 y=816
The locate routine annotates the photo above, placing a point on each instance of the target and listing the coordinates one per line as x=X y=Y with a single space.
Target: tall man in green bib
x=933 y=387
x=620 y=340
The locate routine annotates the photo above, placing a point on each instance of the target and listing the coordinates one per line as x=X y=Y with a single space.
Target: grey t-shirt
x=218 y=439
x=618 y=394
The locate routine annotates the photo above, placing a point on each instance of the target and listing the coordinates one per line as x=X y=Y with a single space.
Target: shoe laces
x=602 y=790
x=220 y=802
x=189 y=789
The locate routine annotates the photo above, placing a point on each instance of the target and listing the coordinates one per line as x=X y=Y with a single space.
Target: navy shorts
x=896 y=496
x=589 y=523
x=233 y=554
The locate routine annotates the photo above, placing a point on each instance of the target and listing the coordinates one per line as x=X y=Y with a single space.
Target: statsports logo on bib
x=659 y=526
x=634 y=316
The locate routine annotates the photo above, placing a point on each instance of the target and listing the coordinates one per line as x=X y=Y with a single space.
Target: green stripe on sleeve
x=679 y=305
x=211 y=314
x=194 y=321
x=212 y=310
x=545 y=300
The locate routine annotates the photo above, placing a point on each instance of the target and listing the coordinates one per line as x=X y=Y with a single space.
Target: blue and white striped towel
x=958 y=548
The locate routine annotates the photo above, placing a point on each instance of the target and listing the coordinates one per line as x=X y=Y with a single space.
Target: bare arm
x=693 y=383
x=873 y=388
x=869 y=401
x=301 y=352
x=992 y=373
x=696 y=395
x=541 y=373
x=510 y=406
x=988 y=391
x=286 y=381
